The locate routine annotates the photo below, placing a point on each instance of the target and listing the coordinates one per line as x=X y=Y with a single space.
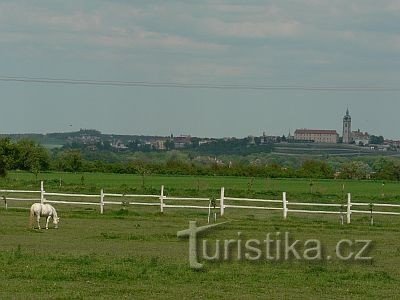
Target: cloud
x=14 y=37
x=246 y=9
x=115 y=25
x=249 y=29
x=206 y=72
x=78 y=21
x=393 y=6
x=395 y=41
x=29 y=17
x=251 y=21
x=221 y=39
x=140 y=38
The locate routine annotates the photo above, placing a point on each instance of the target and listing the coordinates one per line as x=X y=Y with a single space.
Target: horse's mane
x=54 y=212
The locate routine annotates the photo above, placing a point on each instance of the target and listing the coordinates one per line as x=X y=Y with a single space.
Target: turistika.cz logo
x=275 y=247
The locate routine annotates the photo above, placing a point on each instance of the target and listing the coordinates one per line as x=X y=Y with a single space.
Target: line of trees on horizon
x=29 y=156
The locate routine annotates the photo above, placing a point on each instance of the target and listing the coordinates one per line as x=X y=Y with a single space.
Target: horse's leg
x=38 y=222
x=47 y=222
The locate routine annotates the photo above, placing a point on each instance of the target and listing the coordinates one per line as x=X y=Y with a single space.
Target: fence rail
x=253 y=200
x=72 y=202
x=163 y=202
x=19 y=191
x=129 y=195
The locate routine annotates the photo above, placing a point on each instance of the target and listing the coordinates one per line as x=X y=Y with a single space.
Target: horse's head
x=56 y=220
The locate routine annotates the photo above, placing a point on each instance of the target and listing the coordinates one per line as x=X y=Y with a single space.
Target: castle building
x=347 y=136
x=316 y=136
x=360 y=138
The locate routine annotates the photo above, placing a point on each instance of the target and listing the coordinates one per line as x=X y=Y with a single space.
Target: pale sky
x=309 y=43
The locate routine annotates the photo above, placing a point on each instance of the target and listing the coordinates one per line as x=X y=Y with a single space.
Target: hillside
x=323 y=150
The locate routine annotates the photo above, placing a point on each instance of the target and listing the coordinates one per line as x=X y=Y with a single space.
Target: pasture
x=134 y=252
x=207 y=186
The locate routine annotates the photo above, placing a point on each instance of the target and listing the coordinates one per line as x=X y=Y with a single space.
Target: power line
x=68 y=81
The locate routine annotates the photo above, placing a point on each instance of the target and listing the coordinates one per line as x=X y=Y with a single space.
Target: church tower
x=347 y=138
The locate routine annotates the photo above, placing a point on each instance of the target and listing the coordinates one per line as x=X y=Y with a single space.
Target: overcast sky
x=258 y=43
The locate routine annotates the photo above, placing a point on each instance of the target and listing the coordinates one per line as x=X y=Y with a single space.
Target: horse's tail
x=31 y=217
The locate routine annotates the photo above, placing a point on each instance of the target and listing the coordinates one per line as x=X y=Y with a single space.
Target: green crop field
x=135 y=254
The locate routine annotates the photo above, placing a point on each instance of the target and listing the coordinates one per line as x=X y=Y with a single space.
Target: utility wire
x=67 y=81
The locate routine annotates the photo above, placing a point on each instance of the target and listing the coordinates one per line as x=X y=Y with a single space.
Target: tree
x=274 y=170
x=169 y=144
x=355 y=170
x=9 y=152
x=71 y=161
x=387 y=169
x=3 y=167
x=33 y=164
x=376 y=140
x=316 y=169
x=143 y=170
x=31 y=157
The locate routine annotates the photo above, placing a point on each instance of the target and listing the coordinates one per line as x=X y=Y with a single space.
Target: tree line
x=30 y=156
x=22 y=155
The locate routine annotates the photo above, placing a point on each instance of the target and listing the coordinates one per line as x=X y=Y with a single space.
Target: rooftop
x=315 y=131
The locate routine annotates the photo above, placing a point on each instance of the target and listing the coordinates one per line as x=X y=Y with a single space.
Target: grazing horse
x=43 y=210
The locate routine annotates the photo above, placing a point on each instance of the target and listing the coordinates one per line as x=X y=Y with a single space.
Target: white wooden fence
x=344 y=210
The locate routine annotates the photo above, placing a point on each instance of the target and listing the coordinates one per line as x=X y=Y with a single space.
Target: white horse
x=44 y=210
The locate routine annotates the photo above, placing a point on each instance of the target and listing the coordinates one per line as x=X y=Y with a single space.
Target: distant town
x=94 y=140
x=358 y=137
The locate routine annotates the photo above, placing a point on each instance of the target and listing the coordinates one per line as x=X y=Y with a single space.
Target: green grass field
x=134 y=253
x=208 y=186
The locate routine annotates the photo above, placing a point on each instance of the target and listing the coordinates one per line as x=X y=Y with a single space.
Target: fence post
x=162 y=199
x=285 y=209
x=42 y=192
x=5 y=202
x=222 y=205
x=102 y=201
x=348 y=208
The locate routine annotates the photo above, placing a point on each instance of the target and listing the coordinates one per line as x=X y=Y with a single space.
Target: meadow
x=134 y=252
x=208 y=186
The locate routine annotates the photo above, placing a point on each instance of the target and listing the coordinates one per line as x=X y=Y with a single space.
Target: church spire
x=347 y=135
